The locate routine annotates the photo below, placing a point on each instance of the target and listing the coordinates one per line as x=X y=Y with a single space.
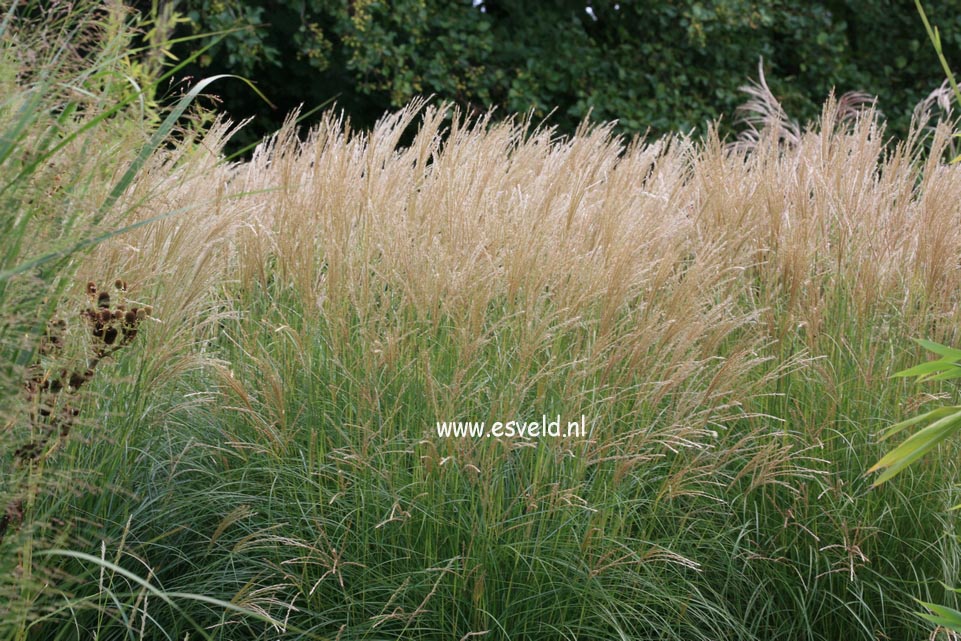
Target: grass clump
x=726 y=318
x=79 y=132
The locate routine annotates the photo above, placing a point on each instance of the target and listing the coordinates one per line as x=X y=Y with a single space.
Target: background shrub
x=666 y=66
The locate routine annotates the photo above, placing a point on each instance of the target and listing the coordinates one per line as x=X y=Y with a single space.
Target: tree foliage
x=652 y=65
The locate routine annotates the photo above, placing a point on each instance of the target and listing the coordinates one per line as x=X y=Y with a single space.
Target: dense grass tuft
x=262 y=462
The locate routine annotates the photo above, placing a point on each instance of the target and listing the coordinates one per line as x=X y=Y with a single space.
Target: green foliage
x=935 y=35
x=287 y=489
x=80 y=124
x=938 y=426
x=658 y=66
x=335 y=513
x=944 y=422
x=946 y=617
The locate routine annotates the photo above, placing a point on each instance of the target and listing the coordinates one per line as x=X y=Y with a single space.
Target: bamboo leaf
x=933 y=415
x=948 y=352
x=947 y=375
x=943 y=616
x=915 y=447
x=925 y=369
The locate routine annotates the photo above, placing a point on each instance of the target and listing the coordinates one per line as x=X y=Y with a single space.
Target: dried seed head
x=91 y=288
x=120 y=284
x=141 y=313
x=28 y=452
x=106 y=316
x=110 y=335
x=50 y=343
x=103 y=299
x=77 y=379
x=148 y=310
x=130 y=318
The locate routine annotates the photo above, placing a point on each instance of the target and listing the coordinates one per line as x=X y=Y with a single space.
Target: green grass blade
x=7 y=18
x=926 y=369
x=916 y=446
x=954 y=372
x=943 y=616
x=935 y=37
x=933 y=415
x=117 y=108
x=84 y=244
x=937 y=348
x=166 y=597
x=159 y=137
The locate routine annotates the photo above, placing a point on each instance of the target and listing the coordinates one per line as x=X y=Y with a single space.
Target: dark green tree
x=661 y=66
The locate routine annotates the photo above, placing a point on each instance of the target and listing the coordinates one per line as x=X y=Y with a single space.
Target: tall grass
x=263 y=463
x=78 y=122
x=726 y=319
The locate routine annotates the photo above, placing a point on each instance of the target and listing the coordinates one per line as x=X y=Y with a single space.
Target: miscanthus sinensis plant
x=726 y=319
x=938 y=425
x=261 y=461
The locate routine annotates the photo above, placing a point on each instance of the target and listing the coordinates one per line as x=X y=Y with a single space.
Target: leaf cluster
x=658 y=67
